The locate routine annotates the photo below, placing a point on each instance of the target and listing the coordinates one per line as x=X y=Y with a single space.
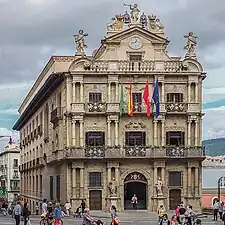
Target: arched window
x=46 y=121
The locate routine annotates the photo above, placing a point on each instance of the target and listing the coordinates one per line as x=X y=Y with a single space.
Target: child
x=57 y=213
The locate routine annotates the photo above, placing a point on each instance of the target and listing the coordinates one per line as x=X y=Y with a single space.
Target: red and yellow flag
x=130 y=101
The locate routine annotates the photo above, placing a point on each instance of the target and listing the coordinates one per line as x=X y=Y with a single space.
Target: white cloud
x=214 y=123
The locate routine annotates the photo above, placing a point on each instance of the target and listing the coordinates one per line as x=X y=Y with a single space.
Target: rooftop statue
x=191 y=45
x=80 y=42
x=143 y=20
x=134 y=12
x=154 y=24
x=126 y=18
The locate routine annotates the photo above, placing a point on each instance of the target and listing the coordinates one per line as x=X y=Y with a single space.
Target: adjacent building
x=9 y=173
x=85 y=133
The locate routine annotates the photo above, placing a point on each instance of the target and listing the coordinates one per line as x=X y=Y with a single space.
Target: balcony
x=176 y=107
x=95 y=107
x=17 y=189
x=77 y=108
x=56 y=114
x=117 y=152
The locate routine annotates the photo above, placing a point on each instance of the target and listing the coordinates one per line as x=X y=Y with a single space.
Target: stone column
x=68 y=92
x=68 y=131
x=81 y=133
x=200 y=132
x=155 y=180
x=196 y=181
x=155 y=132
x=117 y=175
x=163 y=175
x=189 y=181
x=117 y=93
x=163 y=92
x=109 y=92
x=73 y=132
x=81 y=182
x=189 y=92
x=196 y=133
x=196 y=92
x=116 y=133
x=163 y=132
x=81 y=92
x=109 y=174
x=189 y=133
x=109 y=132
x=74 y=183
x=74 y=91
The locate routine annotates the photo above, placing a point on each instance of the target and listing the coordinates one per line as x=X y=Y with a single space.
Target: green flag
x=121 y=101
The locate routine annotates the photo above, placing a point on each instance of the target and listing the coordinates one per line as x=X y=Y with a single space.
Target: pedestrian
x=164 y=220
x=134 y=201
x=57 y=213
x=198 y=222
x=114 y=216
x=87 y=219
x=161 y=212
x=17 y=212
x=68 y=208
x=221 y=210
x=26 y=213
x=174 y=220
x=216 y=207
x=44 y=207
x=83 y=206
x=37 y=208
x=182 y=212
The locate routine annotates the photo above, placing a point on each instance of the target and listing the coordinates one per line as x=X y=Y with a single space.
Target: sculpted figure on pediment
x=134 y=12
x=154 y=24
x=191 y=45
x=112 y=24
x=126 y=18
x=80 y=42
x=144 y=20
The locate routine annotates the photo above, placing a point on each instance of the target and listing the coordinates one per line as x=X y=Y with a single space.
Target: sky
x=34 y=30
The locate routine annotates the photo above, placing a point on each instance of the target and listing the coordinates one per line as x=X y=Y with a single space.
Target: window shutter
x=144 y=138
x=102 y=138
x=87 y=139
x=168 y=138
x=182 y=138
x=127 y=138
x=168 y=97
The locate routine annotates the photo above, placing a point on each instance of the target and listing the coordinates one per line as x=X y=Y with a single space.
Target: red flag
x=146 y=98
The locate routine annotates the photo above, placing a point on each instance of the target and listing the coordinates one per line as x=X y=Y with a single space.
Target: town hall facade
x=79 y=140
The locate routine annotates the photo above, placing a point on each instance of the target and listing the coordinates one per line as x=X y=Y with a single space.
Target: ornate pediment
x=135 y=126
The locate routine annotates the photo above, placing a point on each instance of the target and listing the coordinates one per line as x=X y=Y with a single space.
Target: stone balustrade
x=118 y=152
x=176 y=107
x=145 y=66
x=95 y=107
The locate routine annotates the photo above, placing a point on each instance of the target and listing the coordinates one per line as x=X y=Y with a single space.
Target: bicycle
x=45 y=221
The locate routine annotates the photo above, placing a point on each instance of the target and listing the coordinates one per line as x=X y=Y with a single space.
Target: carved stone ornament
x=135 y=176
x=95 y=152
x=159 y=187
x=113 y=187
x=175 y=128
x=96 y=107
x=176 y=107
x=191 y=45
x=135 y=151
x=176 y=151
x=135 y=125
x=87 y=64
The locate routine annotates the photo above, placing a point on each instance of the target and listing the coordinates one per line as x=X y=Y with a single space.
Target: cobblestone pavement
x=127 y=218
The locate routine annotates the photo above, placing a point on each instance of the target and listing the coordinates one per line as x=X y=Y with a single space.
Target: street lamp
x=221 y=183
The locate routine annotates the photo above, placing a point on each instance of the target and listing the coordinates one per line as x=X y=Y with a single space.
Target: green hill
x=214 y=147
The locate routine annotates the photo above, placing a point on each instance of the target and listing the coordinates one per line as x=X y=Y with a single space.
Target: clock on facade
x=135 y=43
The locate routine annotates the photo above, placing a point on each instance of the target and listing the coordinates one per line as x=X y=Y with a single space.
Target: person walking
x=17 y=212
x=216 y=207
x=114 y=216
x=37 y=208
x=134 y=201
x=83 y=206
x=26 y=213
x=68 y=208
x=57 y=213
x=221 y=210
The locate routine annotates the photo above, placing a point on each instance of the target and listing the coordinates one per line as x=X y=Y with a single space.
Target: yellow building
x=75 y=145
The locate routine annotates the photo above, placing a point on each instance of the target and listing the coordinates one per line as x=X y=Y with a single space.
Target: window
x=58 y=188
x=175 y=97
x=15 y=163
x=95 y=97
x=95 y=138
x=51 y=187
x=15 y=173
x=135 y=57
x=95 y=179
x=175 y=179
x=137 y=101
x=135 y=138
x=175 y=138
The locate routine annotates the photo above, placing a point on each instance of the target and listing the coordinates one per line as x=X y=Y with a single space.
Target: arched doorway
x=135 y=183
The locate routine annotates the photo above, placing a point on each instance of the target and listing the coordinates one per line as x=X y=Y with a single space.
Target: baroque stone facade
x=76 y=145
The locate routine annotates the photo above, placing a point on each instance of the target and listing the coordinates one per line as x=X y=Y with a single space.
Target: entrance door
x=95 y=200
x=174 y=198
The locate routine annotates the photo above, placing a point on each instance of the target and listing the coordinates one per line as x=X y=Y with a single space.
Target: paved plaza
x=127 y=218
